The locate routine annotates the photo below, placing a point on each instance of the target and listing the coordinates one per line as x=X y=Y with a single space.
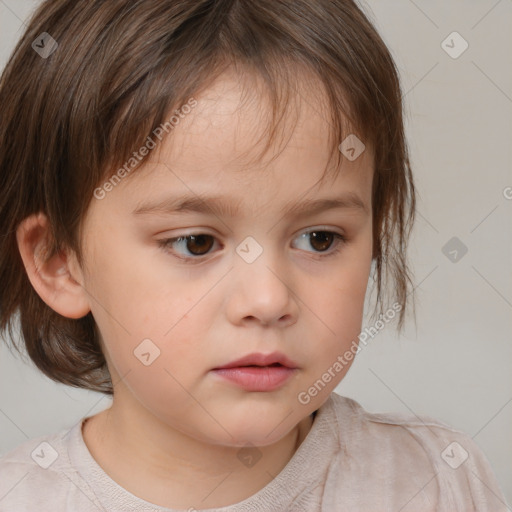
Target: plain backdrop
x=455 y=364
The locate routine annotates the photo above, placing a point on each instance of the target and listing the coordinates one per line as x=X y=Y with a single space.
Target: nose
x=262 y=292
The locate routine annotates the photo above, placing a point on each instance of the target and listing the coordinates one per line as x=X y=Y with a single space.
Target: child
x=132 y=132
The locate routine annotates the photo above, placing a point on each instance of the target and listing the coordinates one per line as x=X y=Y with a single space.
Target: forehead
x=235 y=113
x=218 y=145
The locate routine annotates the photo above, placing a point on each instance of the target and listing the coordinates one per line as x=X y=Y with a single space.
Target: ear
x=57 y=280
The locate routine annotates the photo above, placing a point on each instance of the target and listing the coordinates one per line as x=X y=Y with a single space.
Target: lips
x=259 y=359
x=258 y=372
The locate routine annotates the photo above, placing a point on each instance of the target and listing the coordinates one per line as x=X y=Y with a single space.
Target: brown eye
x=193 y=245
x=199 y=244
x=321 y=240
x=191 y=248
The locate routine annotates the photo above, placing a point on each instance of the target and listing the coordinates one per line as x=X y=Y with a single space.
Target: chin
x=260 y=428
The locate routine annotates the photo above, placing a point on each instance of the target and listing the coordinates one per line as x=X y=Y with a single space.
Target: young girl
x=269 y=131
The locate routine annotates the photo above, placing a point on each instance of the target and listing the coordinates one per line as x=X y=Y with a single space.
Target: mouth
x=260 y=360
x=258 y=372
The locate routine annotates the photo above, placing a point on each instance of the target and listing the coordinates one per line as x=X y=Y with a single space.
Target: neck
x=171 y=469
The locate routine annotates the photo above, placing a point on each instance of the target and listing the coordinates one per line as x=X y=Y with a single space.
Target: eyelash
x=340 y=241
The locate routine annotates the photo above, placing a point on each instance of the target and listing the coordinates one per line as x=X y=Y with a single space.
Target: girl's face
x=258 y=266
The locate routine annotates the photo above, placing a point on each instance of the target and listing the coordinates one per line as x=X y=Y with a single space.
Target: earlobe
x=52 y=277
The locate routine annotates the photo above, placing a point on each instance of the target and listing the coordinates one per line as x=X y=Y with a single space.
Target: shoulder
x=423 y=458
x=39 y=471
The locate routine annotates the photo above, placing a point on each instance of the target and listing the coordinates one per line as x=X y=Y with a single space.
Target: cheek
x=157 y=369
x=337 y=315
x=341 y=300
x=344 y=319
x=135 y=300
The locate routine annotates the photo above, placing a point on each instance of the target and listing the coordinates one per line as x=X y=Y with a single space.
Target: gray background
x=456 y=365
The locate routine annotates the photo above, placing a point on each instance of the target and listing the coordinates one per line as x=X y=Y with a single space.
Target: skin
x=174 y=429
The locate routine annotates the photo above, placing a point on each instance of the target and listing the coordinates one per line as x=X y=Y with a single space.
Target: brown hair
x=119 y=68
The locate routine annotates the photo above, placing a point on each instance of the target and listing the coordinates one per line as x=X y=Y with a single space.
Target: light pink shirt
x=351 y=460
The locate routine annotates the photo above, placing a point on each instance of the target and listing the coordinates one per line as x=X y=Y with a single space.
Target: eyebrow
x=222 y=206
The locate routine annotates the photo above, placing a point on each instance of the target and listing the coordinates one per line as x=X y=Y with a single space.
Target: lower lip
x=253 y=378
